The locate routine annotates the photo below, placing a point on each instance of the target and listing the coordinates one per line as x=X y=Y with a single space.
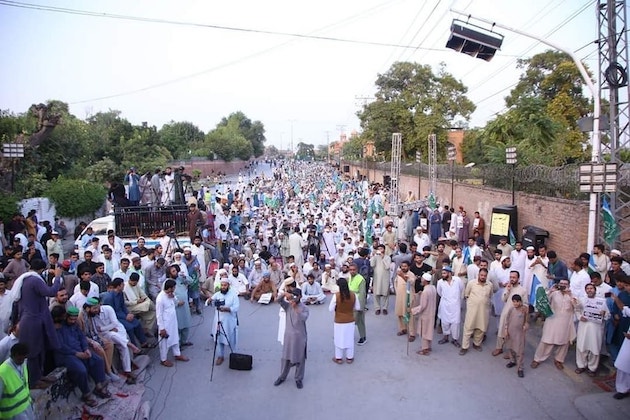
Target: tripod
x=217 y=334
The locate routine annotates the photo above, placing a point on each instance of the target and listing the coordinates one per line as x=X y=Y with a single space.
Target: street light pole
x=596 y=139
x=510 y=159
x=451 y=158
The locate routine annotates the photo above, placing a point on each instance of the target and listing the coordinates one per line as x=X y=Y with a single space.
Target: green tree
x=106 y=131
x=75 y=197
x=228 y=143
x=180 y=137
x=254 y=131
x=413 y=100
x=305 y=151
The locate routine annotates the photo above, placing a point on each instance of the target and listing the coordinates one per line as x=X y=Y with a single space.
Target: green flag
x=611 y=230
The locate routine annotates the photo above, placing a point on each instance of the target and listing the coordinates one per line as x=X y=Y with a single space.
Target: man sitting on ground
x=312 y=293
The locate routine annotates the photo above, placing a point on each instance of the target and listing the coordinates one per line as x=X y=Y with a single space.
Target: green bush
x=76 y=197
x=8 y=206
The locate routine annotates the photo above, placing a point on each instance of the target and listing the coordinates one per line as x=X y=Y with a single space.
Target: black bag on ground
x=239 y=361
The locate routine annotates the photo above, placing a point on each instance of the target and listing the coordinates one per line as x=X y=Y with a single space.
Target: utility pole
x=291 y=146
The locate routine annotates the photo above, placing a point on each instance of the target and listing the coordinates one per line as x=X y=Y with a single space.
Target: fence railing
x=561 y=182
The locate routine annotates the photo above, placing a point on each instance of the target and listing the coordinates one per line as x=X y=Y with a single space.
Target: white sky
x=306 y=86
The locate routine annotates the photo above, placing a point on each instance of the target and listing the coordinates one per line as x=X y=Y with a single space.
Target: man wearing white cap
x=500 y=277
x=53 y=245
x=624 y=265
x=426 y=313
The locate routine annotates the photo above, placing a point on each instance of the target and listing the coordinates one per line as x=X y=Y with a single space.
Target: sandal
x=534 y=364
x=349 y=361
x=102 y=393
x=580 y=370
x=403 y=332
x=338 y=361
x=89 y=400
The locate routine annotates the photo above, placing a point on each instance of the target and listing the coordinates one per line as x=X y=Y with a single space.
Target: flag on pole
x=432 y=203
x=512 y=237
x=611 y=230
x=466 y=255
x=592 y=267
x=538 y=298
x=407 y=315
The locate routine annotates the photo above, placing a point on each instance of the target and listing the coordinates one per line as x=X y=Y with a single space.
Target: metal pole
x=419 y=180
x=513 y=201
x=596 y=152
x=452 y=182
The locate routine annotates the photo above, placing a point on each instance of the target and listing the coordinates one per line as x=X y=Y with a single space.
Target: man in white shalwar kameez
x=500 y=277
x=593 y=313
x=165 y=305
x=110 y=327
x=622 y=363
x=227 y=314
x=450 y=289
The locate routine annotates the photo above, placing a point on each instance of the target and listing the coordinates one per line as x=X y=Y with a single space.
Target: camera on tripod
x=219 y=303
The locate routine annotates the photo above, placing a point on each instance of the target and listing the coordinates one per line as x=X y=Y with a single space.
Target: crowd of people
x=302 y=237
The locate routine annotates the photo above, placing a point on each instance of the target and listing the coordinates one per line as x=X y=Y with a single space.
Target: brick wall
x=207 y=166
x=566 y=220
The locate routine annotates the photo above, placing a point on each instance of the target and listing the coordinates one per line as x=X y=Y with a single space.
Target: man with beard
x=405 y=298
x=558 y=330
x=478 y=295
x=153 y=277
x=380 y=264
x=425 y=310
x=357 y=284
x=518 y=258
x=227 y=304
x=512 y=288
x=110 y=328
x=295 y=336
x=500 y=278
x=168 y=329
x=590 y=333
x=76 y=357
x=450 y=289
x=36 y=325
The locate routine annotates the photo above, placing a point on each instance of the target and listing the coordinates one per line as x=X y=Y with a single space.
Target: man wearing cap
x=295 y=337
x=624 y=264
x=265 y=287
x=500 y=277
x=478 y=295
x=54 y=245
x=96 y=341
x=450 y=289
x=75 y=355
x=512 y=288
x=227 y=305
x=425 y=311
x=168 y=329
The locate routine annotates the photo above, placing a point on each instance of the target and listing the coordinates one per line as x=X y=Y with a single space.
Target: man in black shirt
x=418 y=268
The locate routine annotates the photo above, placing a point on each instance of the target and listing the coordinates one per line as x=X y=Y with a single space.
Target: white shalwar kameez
x=622 y=363
x=450 y=307
x=343 y=333
x=167 y=320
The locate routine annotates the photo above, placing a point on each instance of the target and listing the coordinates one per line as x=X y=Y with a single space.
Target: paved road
x=384 y=382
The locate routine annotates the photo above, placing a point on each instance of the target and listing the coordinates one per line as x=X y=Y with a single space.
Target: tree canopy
x=414 y=100
x=541 y=117
x=104 y=145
